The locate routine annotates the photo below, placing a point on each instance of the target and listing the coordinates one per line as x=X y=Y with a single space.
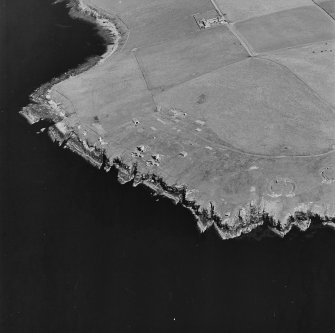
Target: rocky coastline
x=248 y=218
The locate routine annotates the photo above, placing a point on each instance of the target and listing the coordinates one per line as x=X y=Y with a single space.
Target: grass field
x=156 y=21
x=327 y=6
x=104 y=93
x=171 y=63
x=287 y=28
x=191 y=107
x=238 y=10
x=314 y=64
x=259 y=107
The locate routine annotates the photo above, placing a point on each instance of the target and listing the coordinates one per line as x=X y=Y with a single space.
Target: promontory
x=225 y=106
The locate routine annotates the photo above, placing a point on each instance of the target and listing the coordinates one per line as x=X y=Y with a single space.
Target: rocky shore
x=241 y=220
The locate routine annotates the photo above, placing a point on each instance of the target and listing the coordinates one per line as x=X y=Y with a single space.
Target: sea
x=82 y=253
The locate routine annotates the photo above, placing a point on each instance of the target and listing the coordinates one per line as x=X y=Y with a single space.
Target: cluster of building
x=209 y=19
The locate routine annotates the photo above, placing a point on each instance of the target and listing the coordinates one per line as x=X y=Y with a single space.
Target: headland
x=227 y=111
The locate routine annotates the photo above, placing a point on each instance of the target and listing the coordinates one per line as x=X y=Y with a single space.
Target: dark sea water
x=81 y=253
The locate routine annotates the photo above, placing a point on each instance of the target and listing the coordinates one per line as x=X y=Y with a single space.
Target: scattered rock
x=156 y=157
x=183 y=153
x=178 y=113
x=141 y=148
x=136 y=154
x=152 y=163
x=200 y=122
x=136 y=122
x=102 y=142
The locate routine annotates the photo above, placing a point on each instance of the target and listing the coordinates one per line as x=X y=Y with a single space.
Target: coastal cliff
x=140 y=122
